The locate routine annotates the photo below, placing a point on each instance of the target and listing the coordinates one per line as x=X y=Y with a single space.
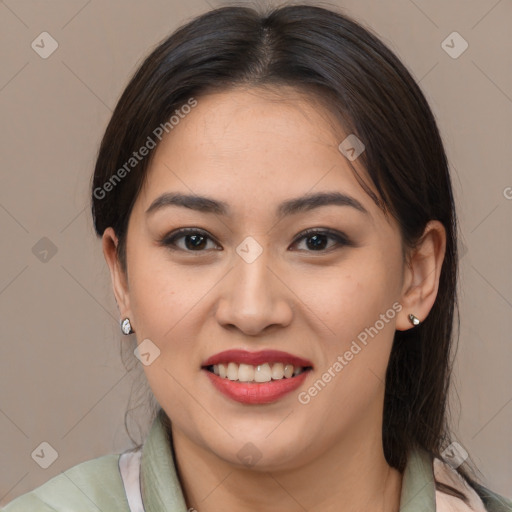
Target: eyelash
x=169 y=240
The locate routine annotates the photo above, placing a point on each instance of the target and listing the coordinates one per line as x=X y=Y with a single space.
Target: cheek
x=166 y=304
x=162 y=302
x=350 y=297
x=160 y=292
x=357 y=307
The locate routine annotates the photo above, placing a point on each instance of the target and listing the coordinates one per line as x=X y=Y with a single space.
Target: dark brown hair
x=334 y=59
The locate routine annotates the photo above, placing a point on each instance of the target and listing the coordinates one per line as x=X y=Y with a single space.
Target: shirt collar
x=161 y=488
x=418 y=486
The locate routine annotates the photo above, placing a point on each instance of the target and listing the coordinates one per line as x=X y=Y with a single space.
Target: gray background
x=61 y=374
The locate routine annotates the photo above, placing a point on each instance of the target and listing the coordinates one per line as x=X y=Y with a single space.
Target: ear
x=421 y=275
x=119 y=280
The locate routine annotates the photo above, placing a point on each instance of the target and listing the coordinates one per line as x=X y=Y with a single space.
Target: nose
x=254 y=298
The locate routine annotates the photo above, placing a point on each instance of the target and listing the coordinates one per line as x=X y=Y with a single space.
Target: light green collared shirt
x=98 y=484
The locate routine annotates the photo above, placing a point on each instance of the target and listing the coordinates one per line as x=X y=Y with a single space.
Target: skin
x=253 y=149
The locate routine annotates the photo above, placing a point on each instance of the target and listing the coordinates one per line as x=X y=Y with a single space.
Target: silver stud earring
x=414 y=320
x=126 y=326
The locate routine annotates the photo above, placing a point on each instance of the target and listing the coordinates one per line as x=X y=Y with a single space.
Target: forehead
x=247 y=116
x=256 y=145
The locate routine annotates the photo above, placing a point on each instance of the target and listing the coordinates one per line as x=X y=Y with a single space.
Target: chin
x=261 y=452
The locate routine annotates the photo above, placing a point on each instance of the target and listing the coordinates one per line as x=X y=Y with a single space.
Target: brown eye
x=194 y=240
x=317 y=240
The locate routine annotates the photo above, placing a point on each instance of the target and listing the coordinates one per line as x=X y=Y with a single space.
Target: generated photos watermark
x=144 y=150
x=304 y=397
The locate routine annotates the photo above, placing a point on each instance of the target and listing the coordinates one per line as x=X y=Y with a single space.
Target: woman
x=276 y=212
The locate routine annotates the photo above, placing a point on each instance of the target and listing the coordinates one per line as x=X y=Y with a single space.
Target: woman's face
x=248 y=279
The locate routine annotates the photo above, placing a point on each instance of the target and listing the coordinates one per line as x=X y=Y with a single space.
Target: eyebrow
x=296 y=205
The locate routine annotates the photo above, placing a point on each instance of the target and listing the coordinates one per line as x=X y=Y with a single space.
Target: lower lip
x=256 y=393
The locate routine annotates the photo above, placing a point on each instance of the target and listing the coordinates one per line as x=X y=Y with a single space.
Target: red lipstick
x=255 y=358
x=256 y=392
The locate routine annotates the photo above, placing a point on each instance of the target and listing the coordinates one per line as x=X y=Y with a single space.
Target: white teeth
x=265 y=372
x=245 y=373
x=277 y=371
x=232 y=371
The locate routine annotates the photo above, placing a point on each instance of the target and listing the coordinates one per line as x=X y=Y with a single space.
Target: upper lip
x=255 y=358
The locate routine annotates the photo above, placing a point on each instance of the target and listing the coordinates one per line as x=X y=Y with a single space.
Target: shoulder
x=92 y=485
x=479 y=498
x=493 y=502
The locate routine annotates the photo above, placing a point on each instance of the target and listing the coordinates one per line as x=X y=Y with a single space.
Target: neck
x=351 y=475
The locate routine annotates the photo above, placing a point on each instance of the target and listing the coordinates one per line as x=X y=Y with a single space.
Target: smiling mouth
x=260 y=373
